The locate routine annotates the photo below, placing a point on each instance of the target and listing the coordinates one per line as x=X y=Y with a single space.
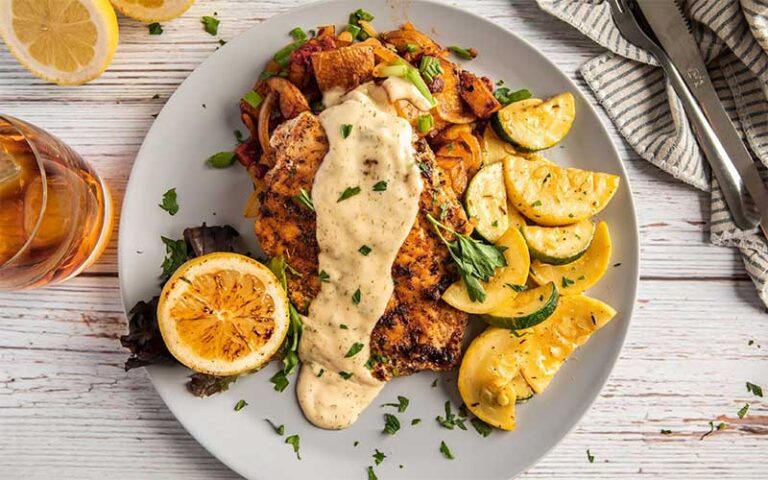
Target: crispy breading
x=418 y=331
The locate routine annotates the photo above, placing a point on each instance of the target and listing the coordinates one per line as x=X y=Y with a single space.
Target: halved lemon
x=152 y=10
x=223 y=314
x=68 y=42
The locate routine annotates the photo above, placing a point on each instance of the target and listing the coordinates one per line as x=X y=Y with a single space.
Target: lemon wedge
x=66 y=42
x=152 y=10
x=223 y=314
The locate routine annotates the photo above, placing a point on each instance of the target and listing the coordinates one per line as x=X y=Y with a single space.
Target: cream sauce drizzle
x=378 y=148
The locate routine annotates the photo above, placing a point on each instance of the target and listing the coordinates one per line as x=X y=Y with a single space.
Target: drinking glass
x=55 y=211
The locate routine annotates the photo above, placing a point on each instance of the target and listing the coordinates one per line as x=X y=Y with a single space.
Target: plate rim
x=621 y=337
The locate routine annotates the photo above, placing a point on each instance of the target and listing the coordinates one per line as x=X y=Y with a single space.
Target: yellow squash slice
x=516 y=273
x=576 y=318
x=223 y=314
x=551 y=195
x=516 y=219
x=576 y=277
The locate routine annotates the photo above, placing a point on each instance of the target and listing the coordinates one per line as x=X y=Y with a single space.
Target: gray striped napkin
x=733 y=37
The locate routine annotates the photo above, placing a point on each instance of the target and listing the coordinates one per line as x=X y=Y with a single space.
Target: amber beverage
x=55 y=212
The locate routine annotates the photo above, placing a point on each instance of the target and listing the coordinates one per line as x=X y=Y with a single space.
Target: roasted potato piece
x=450 y=106
x=478 y=96
x=300 y=67
x=346 y=67
x=412 y=43
x=292 y=101
x=326 y=31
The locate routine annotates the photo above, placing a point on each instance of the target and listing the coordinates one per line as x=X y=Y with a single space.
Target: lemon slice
x=152 y=10
x=65 y=42
x=223 y=314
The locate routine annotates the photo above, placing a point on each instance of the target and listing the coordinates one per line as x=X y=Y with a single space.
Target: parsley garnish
x=481 y=427
x=666 y=432
x=401 y=406
x=354 y=349
x=720 y=426
x=155 y=28
x=446 y=451
x=348 y=192
x=346 y=129
x=365 y=250
x=434 y=383
x=320 y=373
x=345 y=375
x=537 y=203
x=495 y=223
x=378 y=457
x=391 y=424
x=324 y=277
x=476 y=260
x=450 y=421
x=375 y=358
x=210 y=24
x=743 y=410
x=176 y=253
x=343 y=327
x=291 y=344
x=304 y=199
x=294 y=441
x=567 y=282
x=238 y=135
x=415 y=421
x=240 y=404
x=380 y=186
x=755 y=389
x=279 y=429
x=505 y=96
x=356 y=297
x=221 y=159
x=590 y=457
x=516 y=287
x=169 y=202
x=371 y=474
x=279 y=380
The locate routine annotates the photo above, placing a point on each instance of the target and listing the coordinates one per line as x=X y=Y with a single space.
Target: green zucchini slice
x=538 y=126
x=526 y=310
x=486 y=201
x=559 y=245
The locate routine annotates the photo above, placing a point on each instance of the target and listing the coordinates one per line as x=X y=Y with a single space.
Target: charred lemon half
x=223 y=314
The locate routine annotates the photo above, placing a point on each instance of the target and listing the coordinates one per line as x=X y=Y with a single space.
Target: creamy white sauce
x=378 y=148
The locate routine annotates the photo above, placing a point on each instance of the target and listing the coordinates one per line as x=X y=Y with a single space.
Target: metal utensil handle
x=716 y=139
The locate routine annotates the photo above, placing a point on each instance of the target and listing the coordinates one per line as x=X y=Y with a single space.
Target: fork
x=725 y=172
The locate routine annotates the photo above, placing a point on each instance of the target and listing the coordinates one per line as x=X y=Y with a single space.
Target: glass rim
x=17 y=124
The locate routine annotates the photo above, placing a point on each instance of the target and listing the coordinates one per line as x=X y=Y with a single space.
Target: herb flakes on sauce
x=348 y=192
x=354 y=349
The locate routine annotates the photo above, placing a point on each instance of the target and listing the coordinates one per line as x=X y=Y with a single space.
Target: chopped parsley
x=176 y=253
x=743 y=411
x=495 y=223
x=304 y=199
x=517 y=288
x=371 y=474
x=590 y=457
x=757 y=390
x=378 y=457
x=210 y=24
x=279 y=380
x=505 y=96
x=415 y=421
x=446 y=451
x=345 y=375
x=391 y=424
x=320 y=373
x=170 y=204
x=401 y=406
x=380 y=186
x=290 y=346
x=354 y=349
x=279 y=429
x=712 y=428
x=238 y=135
x=221 y=159
x=346 y=129
x=155 y=28
x=240 y=404
x=434 y=383
x=356 y=297
x=476 y=260
x=451 y=420
x=567 y=282
x=666 y=432
x=294 y=441
x=537 y=203
x=348 y=192
x=481 y=427
x=463 y=53
x=375 y=358
x=364 y=250
x=324 y=277
x=343 y=327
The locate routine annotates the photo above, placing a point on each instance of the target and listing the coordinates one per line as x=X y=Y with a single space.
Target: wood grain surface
x=69 y=411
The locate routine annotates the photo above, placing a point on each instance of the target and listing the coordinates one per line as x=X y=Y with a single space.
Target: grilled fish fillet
x=417 y=331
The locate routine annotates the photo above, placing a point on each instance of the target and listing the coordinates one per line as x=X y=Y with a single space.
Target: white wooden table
x=68 y=410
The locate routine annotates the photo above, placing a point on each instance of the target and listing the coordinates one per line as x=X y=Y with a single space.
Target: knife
x=672 y=29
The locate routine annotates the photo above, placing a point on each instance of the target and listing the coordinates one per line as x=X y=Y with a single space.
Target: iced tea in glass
x=55 y=211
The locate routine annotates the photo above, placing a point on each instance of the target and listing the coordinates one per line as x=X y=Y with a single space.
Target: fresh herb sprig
x=290 y=347
x=476 y=260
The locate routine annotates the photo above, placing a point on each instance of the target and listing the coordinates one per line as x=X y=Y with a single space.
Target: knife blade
x=672 y=29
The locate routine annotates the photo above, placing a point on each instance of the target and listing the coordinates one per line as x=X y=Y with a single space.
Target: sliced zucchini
x=551 y=195
x=486 y=201
x=489 y=377
x=526 y=310
x=576 y=318
x=559 y=245
x=536 y=126
x=578 y=276
x=494 y=148
x=516 y=272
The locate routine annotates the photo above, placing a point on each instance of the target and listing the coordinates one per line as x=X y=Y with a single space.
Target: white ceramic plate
x=173 y=155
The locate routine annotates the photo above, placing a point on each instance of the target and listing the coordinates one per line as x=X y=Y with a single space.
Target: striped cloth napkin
x=733 y=38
